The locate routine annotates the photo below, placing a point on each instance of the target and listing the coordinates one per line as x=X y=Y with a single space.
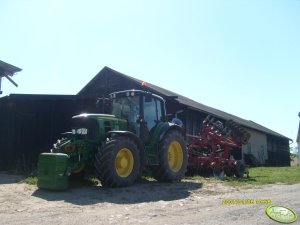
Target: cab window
x=152 y=111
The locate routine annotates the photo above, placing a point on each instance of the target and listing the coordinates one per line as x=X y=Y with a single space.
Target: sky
x=241 y=57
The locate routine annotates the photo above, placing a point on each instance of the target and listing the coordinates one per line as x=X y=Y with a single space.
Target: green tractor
x=120 y=146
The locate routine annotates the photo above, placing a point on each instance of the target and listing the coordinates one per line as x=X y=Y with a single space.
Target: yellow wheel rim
x=175 y=156
x=124 y=162
x=69 y=148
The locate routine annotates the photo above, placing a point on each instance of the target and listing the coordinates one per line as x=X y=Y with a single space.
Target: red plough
x=218 y=148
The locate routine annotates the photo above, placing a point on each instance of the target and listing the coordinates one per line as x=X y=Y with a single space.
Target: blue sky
x=242 y=57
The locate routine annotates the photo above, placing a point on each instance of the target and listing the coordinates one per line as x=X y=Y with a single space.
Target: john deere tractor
x=120 y=146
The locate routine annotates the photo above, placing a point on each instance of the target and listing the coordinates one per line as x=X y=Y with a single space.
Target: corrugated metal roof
x=44 y=97
x=40 y=97
x=187 y=102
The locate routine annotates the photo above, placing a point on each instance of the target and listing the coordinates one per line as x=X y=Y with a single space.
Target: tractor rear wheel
x=172 y=158
x=117 y=163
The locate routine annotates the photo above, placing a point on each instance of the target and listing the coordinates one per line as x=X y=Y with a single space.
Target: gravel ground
x=188 y=202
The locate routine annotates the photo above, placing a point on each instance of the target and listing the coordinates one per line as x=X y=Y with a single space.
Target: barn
x=29 y=124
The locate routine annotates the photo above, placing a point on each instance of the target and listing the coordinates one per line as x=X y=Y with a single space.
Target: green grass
x=32 y=180
x=261 y=176
x=271 y=175
x=257 y=176
x=90 y=181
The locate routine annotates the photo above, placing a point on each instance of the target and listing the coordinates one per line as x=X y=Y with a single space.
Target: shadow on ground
x=9 y=178
x=143 y=191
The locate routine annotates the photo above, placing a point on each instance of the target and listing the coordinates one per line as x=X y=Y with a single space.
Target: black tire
x=172 y=155
x=239 y=169
x=229 y=172
x=109 y=159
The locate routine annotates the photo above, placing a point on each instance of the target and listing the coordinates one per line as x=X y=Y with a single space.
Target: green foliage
x=91 y=180
x=272 y=175
x=257 y=176
x=31 y=180
x=293 y=156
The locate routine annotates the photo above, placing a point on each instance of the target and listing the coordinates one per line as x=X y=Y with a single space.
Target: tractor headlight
x=82 y=131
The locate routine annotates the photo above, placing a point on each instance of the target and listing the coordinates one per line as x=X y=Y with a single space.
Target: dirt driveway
x=188 y=202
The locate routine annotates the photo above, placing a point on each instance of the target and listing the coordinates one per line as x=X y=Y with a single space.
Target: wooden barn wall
x=7 y=134
x=194 y=121
x=28 y=127
x=106 y=84
x=257 y=146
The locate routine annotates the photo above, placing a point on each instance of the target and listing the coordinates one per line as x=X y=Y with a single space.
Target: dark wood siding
x=31 y=124
x=278 y=151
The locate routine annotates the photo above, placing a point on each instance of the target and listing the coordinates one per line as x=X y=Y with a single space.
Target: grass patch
x=272 y=175
x=91 y=180
x=31 y=180
x=260 y=176
x=145 y=178
x=257 y=176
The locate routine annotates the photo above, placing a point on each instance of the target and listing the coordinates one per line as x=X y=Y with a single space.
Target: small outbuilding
x=7 y=71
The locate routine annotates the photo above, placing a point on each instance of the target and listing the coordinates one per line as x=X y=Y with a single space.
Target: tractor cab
x=142 y=110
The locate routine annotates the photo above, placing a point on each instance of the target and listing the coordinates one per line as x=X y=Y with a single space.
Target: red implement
x=218 y=149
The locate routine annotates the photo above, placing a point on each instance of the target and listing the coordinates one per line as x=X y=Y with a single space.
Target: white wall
x=257 y=146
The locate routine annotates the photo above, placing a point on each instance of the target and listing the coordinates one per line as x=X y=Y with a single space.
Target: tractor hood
x=93 y=116
x=95 y=126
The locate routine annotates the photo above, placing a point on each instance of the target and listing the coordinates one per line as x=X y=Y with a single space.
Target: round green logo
x=281 y=214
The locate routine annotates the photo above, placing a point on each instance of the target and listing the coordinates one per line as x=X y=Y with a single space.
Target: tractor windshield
x=127 y=108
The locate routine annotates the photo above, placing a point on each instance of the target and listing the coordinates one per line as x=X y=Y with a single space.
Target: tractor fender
x=132 y=136
x=167 y=127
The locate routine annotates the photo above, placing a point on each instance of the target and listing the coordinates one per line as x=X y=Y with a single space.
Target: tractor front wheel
x=117 y=163
x=172 y=156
